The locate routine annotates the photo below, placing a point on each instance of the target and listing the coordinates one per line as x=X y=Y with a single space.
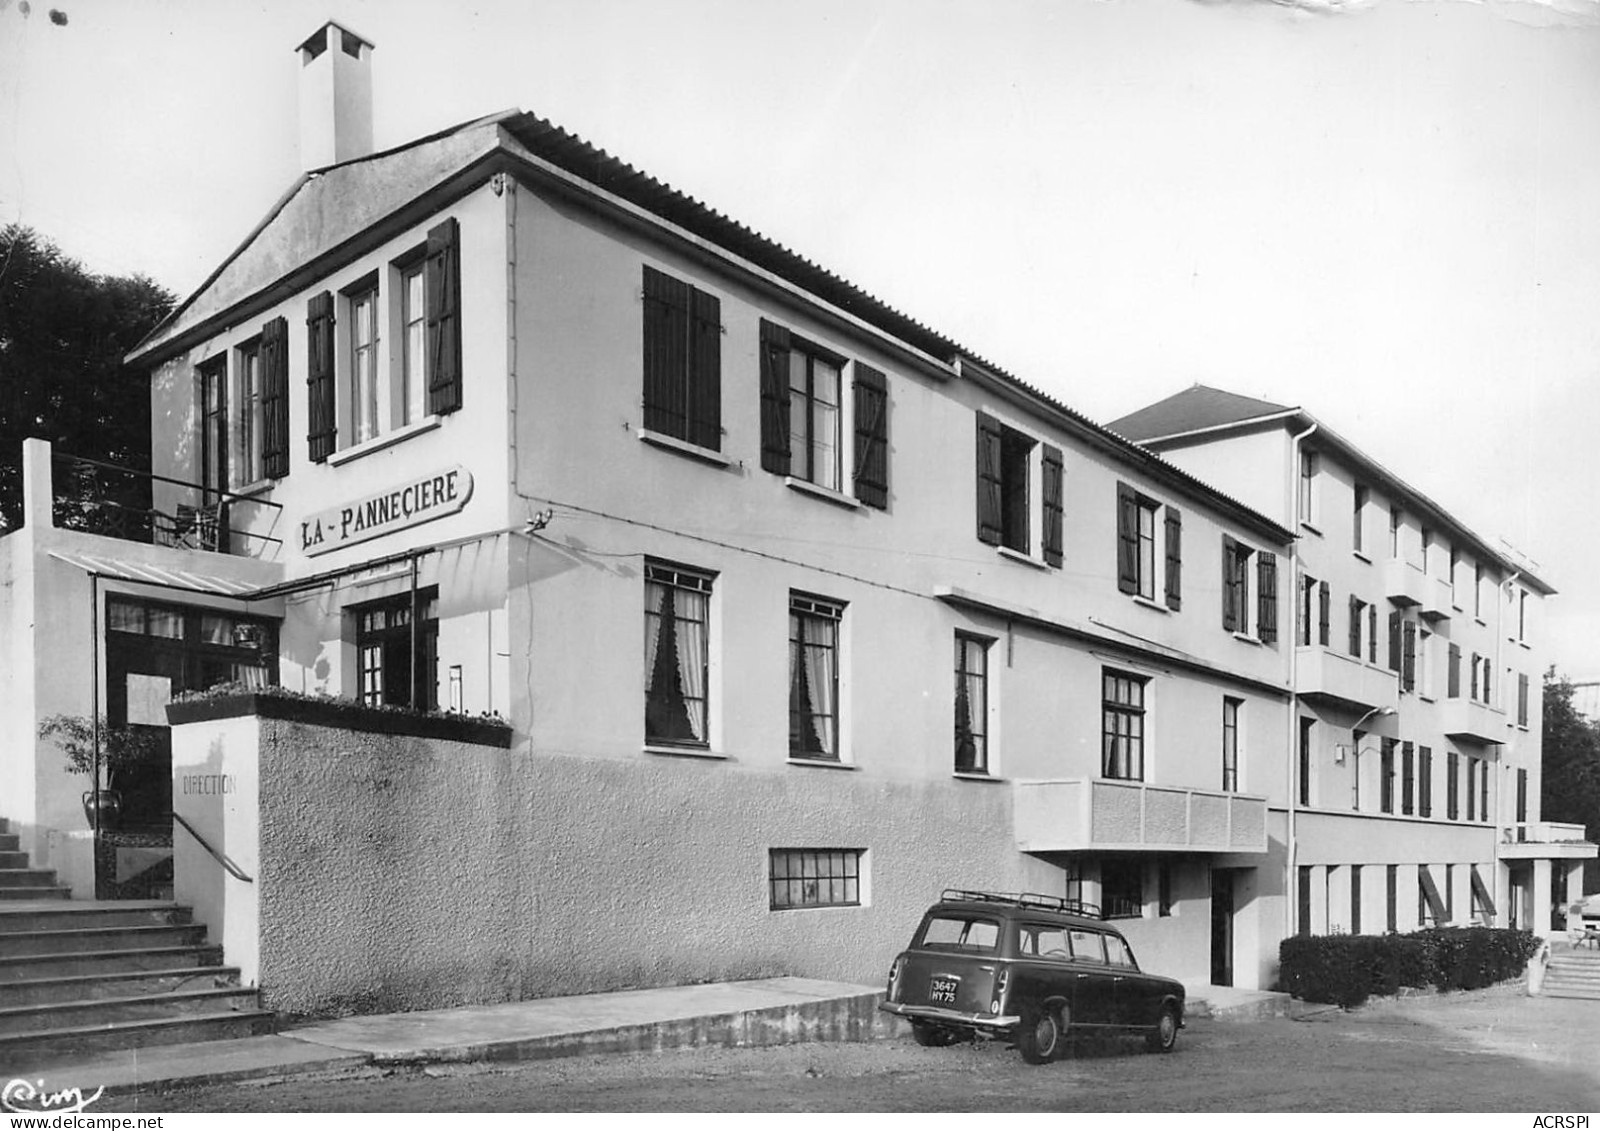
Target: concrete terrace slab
x=1234 y=1004
x=191 y=1065
x=763 y=1012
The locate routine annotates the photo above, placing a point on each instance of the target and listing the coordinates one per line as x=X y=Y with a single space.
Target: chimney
x=335 y=97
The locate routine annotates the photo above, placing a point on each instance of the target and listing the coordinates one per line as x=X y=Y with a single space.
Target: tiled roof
x=1196 y=408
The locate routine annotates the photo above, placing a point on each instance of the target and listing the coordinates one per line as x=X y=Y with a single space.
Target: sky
x=1385 y=211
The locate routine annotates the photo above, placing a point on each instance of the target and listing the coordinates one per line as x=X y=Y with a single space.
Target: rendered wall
x=407 y=873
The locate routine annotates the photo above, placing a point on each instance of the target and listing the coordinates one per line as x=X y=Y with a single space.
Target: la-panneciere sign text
x=419 y=500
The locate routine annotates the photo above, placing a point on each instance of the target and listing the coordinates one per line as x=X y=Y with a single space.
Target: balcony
x=1404 y=583
x=1438 y=601
x=1321 y=673
x=1544 y=840
x=1471 y=721
x=1101 y=815
x=130 y=505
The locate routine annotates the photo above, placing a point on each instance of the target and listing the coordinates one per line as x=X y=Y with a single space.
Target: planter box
x=340 y=713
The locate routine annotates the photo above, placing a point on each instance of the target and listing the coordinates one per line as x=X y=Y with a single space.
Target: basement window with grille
x=815 y=877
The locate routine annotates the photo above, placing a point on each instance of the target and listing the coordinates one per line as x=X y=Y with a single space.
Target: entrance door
x=1222 y=927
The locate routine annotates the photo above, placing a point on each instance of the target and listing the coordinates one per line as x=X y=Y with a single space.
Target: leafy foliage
x=63 y=334
x=1571 y=760
x=120 y=747
x=1345 y=970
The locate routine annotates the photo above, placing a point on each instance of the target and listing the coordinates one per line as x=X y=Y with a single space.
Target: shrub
x=1345 y=970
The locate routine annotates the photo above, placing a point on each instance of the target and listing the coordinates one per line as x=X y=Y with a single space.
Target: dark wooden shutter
x=1475 y=675
x=321 y=414
x=1394 y=642
x=1453 y=674
x=705 y=370
x=989 y=475
x=1408 y=658
x=872 y=437
x=1230 y=589
x=1127 y=539
x=1174 y=540
x=275 y=398
x=666 y=353
x=775 y=398
x=1267 y=595
x=443 y=287
x=1324 y=601
x=1522 y=699
x=1372 y=634
x=1355 y=627
x=1051 y=476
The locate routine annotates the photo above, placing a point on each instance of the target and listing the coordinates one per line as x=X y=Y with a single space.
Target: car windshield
x=970 y=933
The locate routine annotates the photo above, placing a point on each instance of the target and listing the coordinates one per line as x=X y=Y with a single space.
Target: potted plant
x=120 y=747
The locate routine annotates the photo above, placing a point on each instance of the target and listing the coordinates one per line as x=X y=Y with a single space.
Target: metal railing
x=231 y=868
x=114 y=501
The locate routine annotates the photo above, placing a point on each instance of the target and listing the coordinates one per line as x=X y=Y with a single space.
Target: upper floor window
x=1358 y=617
x=1477 y=590
x=1308 y=487
x=1315 y=602
x=1138 y=534
x=1455 y=562
x=362 y=307
x=1522 y=615
x=677 y=628
x=1427 y=549
x=1358 y=517
x=1235 y=585
x=806 y=419
x=250 y=424
x=814 y=677
x=1122 y=729
x=412 y=329
x=972 y=704
x=1522 y=699
x=682 y=361
x=1230 y=743
x=214 y=427
x=1013 y=469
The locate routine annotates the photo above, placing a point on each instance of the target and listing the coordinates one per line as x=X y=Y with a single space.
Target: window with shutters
x=814 y=677
x=1455 y=564
x=812 y=432
x=1358 y=518
x=1408 y=655
x=361 y=315
x=1408 y=778
x=1452 y=785
x=1424 y=781
x=249 y=426
x=1315 y=608
x=1149 y=537
x=1019 y=491
x=411 y=329
x=972 y=704
x=1235 y=585
x=683 y=362
x=1122 y=729
x=1472 y=788
x=1386 y=775
x=1522 y=699
x=1358 y=620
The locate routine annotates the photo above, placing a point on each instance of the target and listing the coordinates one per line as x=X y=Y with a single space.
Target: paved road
x=1493 y=1050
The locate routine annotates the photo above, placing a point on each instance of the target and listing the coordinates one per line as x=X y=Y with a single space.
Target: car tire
x=933 y=1036
x=1164 y=1036
x=1042 y=1034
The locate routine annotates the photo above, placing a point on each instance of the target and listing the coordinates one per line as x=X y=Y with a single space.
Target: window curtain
x=819 y=667
x=675 y=654
x=970 y=755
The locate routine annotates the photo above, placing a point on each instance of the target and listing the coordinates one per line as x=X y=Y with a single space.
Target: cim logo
x=419 y=500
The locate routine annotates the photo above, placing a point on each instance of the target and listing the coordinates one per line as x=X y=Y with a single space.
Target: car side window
x=1117 y=952
x=1087 y=946
x=1047 y=942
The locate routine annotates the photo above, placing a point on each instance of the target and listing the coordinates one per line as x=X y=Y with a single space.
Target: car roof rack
x=1028 y=899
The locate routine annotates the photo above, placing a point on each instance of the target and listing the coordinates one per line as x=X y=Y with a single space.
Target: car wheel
x=1042 y=1034
x=933 y=1036
x=1165 y=1035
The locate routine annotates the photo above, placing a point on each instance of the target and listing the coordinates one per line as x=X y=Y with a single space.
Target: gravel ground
x=1491 y=1050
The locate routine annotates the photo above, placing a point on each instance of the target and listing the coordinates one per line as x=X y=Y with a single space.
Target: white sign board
x=418 y=500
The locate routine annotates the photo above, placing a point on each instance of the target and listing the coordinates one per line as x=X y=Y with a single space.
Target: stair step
x=15 y=944
x=20 y=1051
x=13 y=858
x=26 y=877
x=115 y=984
x=103 y=1011
x=1581 y=995
x=108 y=913
x=69 y=964
x=51 y=891
x=10 y=842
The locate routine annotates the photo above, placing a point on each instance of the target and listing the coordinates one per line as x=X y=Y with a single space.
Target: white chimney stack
x=335 y=97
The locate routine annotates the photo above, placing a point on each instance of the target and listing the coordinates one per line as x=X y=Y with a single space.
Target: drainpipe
x=94 y=699
x=1291 y=892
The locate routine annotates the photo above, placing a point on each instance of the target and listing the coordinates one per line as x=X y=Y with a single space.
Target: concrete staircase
x=91 y=976
x=1573 y=973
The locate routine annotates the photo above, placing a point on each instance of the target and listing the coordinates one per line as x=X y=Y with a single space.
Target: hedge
x=1345 y=970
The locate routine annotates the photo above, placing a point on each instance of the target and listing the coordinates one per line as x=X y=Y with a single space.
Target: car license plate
x=942 y=991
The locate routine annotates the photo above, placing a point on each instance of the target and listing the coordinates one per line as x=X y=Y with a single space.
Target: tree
x=1571 y=770
x=63 y=334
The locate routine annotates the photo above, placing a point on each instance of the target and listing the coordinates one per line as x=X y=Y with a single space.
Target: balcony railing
x=1098 y=813
x=1467 y=719
x=126 y=503
x=1322 y=673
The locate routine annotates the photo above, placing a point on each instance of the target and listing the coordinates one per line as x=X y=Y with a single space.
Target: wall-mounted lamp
x=1340 y=749
x=1379 y=711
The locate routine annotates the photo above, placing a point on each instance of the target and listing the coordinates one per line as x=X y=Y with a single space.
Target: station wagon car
x=1032 y=968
